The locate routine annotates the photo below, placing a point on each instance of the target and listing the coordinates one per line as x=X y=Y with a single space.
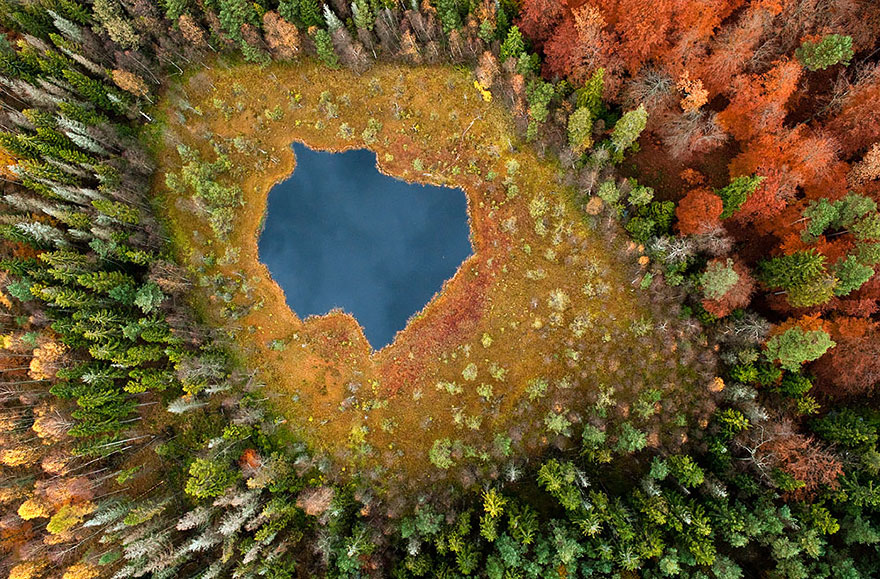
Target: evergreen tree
x=851 y=275
x=737 y=192
x=449 y=16
x=236 y=13
x=832 y=49
x=209 y=478
x=513 y=45
x=580 y=127
x=627 y=130
x=589 y=96
x=324 y=46
x=792 y=270
x=796 y=346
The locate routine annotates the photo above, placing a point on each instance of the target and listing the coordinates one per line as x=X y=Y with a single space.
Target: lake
x=338 y=233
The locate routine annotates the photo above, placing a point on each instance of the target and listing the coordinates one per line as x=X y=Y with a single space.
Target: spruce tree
x=513 y=45
x=737 y=192
x=627 y=130
x=324 y=46
x=449 y=16
x=796 y=346
x=832 y=49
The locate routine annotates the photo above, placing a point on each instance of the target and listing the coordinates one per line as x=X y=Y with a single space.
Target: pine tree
x=118 y=27
x=580 y=127
x=627 y=130
x=737 y=192
x=796 y=346
x=590 y=95
x=449 y=16
x=851 y=275
x=513 y=45
x=832 y=49
x=792 y=270
x=236 y=13
x=209 y=478
x=362 y=14
x=324 y=46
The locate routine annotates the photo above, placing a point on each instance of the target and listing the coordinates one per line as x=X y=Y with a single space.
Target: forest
x=661 y=360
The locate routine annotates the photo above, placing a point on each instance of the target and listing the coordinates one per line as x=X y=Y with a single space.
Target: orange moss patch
x=543 y=326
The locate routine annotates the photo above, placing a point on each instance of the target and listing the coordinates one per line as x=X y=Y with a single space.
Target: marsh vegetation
x=534 y=336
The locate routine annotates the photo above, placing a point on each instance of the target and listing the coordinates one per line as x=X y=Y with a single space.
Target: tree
x=832 y=49
x=324 y=46
x=513 y=45
x=119 y=29
x=580 y=130
x=493 y=502
x=630 y=439
x=539 y=95
x=306 y=13
x=858 y=123
x=852 y=368
x=685 y=470
x=580 y=46
x=737 y=192
x=868 y=168
x=449 y=16
x=694 y=95
x=737 y=295
x=281 y=36
x=362 y=15
x=68 y=516
x=645 y=33
x=440 y=454
x=209 y=478
x=130 y=82
x=847 y=427
x=801 y=458
x=718 y=279
x=628 y=129
x=851 y=275
x=758 y=102
x=795 y=346
x=191 y=31
x=538 y=19
x=798 y=269
x=867 y=228
x=487 y=70
x=236 y=13
x=149 y=297
x=81 y=570
x=589 y=96
x=699 y=212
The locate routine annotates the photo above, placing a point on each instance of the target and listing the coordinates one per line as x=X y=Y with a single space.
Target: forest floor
x=549 y=324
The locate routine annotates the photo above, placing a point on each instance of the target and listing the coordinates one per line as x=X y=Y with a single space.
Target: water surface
x=340 y=234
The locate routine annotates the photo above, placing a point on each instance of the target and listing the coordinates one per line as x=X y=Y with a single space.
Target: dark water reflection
x=340 y=234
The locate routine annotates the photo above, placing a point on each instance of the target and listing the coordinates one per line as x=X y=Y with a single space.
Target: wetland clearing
x=547 y=325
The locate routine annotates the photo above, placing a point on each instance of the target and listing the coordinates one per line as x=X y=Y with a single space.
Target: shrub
x=440 y=454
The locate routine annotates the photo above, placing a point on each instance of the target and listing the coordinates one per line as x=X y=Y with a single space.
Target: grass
x=547 y=327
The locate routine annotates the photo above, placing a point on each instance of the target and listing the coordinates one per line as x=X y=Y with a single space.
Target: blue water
x=340 y=234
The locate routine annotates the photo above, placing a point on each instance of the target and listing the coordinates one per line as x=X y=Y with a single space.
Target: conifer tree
x=832 y=49
x=513 y=45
